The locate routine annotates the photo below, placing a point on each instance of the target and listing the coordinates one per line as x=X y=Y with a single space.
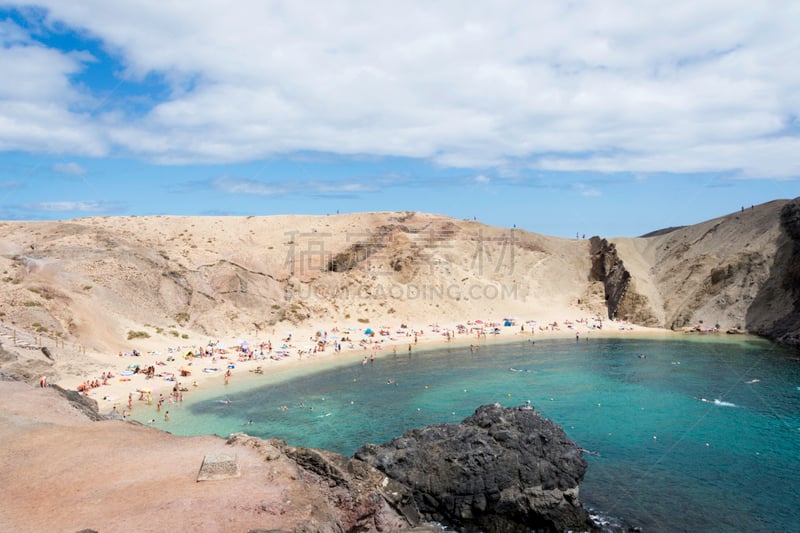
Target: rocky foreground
x=500 y=470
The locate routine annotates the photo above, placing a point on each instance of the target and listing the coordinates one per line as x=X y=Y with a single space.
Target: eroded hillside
x=734 y=272
x=98 y=281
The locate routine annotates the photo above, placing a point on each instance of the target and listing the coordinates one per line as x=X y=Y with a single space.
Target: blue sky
x=608 y=118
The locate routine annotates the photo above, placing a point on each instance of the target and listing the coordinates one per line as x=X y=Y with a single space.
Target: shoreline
x=155 y=449
x=298 y=360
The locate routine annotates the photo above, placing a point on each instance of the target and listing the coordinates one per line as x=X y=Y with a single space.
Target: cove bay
x=695 y=434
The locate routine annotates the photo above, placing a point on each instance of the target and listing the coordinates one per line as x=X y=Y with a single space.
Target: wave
x=721 y=403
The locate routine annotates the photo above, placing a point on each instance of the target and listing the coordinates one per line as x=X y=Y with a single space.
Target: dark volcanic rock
x=500 y=470
x=608 y=268
x=46 y=352
x=365 y=498
x=84 y=404
x=358 y=496
x=622 y=300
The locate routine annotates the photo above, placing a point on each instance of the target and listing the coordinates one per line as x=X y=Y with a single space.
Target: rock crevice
x=622 y=300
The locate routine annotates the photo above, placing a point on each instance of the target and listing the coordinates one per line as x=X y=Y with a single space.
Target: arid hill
x=740 y=271
x=95 y=284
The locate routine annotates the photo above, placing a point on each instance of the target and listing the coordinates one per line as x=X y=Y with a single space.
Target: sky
x=610 y=118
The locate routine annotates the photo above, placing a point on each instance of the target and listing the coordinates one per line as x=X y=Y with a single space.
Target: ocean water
x=701 y=434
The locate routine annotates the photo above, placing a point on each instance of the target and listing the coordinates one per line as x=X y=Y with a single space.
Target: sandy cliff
x=101 y=285
x=736 y=271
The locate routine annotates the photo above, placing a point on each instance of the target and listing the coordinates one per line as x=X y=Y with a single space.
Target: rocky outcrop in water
x=500 y=470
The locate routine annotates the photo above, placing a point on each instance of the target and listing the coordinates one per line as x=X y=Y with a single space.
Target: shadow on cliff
x=775 y=311
x=622 y=299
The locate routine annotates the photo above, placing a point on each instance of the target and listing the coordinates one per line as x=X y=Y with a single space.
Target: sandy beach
x=183 y=369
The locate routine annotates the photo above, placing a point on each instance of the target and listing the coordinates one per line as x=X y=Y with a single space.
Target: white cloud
x=585 y=190
x=246 y=186
x=341 y=188
x=631 y=86
x=90 y=207
x=11 y=184
x=11 y=34
x=71 y=168
x=40 y=110
x=257 y=187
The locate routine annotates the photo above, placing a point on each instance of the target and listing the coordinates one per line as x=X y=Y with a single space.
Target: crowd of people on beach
x=88 y=384
x=192 y=362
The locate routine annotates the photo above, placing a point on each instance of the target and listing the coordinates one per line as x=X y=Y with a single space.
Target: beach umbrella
x=368 y=331
x=479 y=321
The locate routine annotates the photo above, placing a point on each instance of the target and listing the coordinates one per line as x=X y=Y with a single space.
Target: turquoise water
x=668 y=460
